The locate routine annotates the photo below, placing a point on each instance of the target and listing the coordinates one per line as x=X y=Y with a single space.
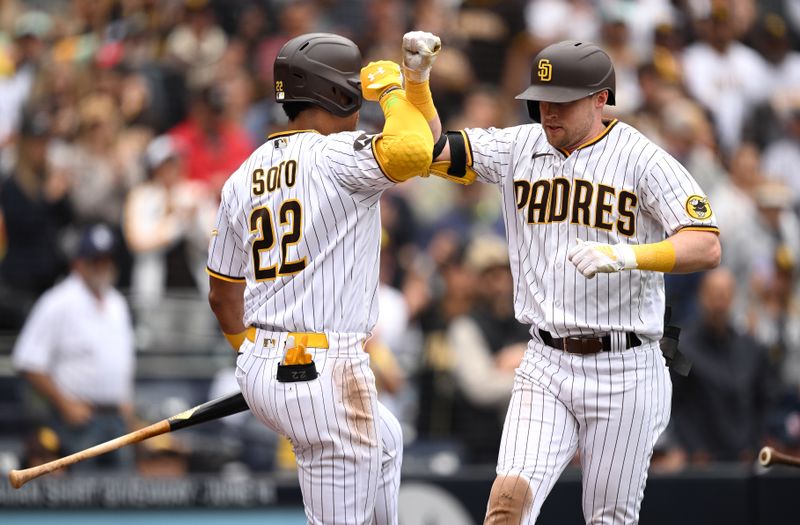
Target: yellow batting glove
x=379 y=77
x=296 y=353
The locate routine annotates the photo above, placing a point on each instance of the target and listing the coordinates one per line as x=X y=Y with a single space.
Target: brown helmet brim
x=553 y=94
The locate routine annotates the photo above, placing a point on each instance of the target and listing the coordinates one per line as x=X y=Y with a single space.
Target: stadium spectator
x=719 y=410
x=725 y=75
x=782 y=157
x=617 y=42
x=777 y=230
x=167 y=224
x=164 y=456
x=34 y=207
x=197 y=45
x=737 y=215
x=487 y=345
x=687 y=135
x=213 y=147
x=76 y=350
x=773 y=41
x=100 y=177
x=19 y=64
x=451 y=287
x=775 y=322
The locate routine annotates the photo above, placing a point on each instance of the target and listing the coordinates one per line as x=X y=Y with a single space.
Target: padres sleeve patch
x=698 y=207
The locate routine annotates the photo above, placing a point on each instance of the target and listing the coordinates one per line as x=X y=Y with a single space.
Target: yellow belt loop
x=310 y=339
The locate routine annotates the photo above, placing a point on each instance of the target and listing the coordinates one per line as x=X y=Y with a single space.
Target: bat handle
x=765 y=456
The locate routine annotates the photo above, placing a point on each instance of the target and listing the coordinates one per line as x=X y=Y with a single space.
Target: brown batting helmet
x=568 y=71
x=320 y=68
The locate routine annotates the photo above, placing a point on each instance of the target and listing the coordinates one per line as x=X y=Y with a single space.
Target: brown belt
x=586 y=345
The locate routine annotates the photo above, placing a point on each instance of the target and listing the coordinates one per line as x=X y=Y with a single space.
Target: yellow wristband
x=236 y=340
x=419 y=94
x=656 y=257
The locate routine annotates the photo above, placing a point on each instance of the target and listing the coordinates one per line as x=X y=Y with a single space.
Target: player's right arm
x=403 y=150
x=368 y=164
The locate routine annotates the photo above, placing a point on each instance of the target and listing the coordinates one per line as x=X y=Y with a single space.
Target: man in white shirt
x=76 y=349
x=725 y=76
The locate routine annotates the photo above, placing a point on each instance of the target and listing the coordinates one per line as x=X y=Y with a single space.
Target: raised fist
x=419 y=51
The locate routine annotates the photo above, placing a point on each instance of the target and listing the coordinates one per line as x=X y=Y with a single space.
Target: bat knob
x=15 y=478
x=765 y=456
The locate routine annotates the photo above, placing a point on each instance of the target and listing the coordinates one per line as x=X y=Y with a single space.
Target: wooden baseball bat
x=769 y=456
x=214 y=409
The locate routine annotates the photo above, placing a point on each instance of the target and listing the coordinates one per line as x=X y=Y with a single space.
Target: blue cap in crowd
x=96 y=241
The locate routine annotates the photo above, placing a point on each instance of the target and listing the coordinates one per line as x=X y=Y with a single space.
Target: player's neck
x=322 y=121
x=598 y=128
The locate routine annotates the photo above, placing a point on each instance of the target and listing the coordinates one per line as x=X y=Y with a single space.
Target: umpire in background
x=76 y=350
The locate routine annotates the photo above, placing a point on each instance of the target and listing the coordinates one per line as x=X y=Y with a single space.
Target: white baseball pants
x=610 y=407
x=349 y=447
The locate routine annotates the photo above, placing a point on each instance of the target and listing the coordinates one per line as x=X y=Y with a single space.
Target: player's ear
x=601 y=98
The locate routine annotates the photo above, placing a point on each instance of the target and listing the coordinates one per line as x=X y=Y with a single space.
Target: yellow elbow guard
x=403 y=157
x=656 y=257
x=405 y=147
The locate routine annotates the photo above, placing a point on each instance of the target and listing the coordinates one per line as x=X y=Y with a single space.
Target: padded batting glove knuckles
x=419 y=51
x=591 y=258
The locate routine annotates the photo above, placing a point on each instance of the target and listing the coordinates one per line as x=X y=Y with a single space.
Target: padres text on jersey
x=620 y=187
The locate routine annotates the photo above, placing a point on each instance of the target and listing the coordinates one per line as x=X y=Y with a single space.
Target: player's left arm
x=669 y=194
x=684 y=252
x=226 y=299
x=404 y=148
x=225 y=267
x=694 y=251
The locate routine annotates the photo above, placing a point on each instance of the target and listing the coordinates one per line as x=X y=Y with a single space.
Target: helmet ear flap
x=345 y=99
x=533 y=110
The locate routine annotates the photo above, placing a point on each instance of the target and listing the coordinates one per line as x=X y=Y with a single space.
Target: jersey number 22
x=290 y=215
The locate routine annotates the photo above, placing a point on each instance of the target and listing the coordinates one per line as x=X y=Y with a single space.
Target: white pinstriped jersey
x=299 y=221
x=619 y=187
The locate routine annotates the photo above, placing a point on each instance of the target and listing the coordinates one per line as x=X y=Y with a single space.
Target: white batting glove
x=591 y=258
x=419 y=51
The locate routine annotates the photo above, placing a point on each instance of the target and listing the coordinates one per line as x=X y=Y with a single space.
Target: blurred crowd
x=131 y=114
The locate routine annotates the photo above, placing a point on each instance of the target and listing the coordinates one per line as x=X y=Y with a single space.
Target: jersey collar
x=289 y=132
x=594 y=140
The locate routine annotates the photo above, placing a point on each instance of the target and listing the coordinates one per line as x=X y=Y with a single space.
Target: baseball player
x=595 y=214
x=293 y=265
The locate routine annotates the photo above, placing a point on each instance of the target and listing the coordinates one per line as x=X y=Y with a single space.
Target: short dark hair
x=293 y=109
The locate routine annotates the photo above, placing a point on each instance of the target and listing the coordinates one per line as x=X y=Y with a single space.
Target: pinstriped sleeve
x=671 y=195
x=490 y=151
x=227 y=258
x=350 y=159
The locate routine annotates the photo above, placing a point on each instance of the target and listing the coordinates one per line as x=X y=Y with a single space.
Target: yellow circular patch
x=698 y=207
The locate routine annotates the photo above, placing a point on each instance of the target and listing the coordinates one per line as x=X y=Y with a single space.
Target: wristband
x=236 y=340
x=656 y=257
x=419 y=94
